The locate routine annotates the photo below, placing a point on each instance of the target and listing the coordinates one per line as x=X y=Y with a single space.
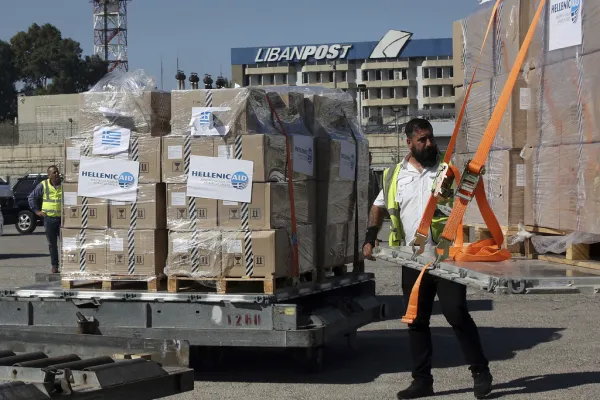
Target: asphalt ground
x=540 y=346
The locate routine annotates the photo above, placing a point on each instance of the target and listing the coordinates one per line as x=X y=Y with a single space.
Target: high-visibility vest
x=397 y=235
x=51 y=199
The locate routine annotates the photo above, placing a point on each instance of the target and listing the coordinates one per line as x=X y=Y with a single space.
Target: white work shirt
x=414 y=190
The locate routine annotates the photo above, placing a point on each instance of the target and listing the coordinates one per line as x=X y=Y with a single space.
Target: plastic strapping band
x=133 y=216
x=290 y=173
x=249 y=253
x=84 y=224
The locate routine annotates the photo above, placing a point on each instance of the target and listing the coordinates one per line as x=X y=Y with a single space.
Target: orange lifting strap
x=471 y=185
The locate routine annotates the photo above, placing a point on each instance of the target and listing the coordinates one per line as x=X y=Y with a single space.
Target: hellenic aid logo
x=309 y=156
x=126 y=180
x=575 y=6
x=239 y=180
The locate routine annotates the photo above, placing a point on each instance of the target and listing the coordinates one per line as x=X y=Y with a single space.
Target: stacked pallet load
x=114 y=227
x=235 y=209
x=504 y=170
x=562 y=156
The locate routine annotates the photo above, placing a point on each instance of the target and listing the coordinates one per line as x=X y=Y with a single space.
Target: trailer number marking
x=243 y=320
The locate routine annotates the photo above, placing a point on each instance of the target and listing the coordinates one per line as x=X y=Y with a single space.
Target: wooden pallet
x=578 y=255
x=261 y=285
x=113 y=282
x=477 y=232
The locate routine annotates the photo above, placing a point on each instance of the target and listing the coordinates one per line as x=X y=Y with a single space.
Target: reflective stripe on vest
x=51 y=199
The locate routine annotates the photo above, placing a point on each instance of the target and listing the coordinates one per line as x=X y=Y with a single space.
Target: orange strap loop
x=472 y=186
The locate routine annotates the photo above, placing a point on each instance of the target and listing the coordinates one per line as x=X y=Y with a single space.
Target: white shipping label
x=122 y=156
x=110 y=140
x=175 y=152
x=73 y=153
x=303 y=154
x=234 y=246
x=347 y=161
x=225 y=151
x=178 y=198
x=525 y=99
x=109 y=179
x=116 y=244
x=220 y=179
x=69 y=244
x=181 y=245
x=230 y=203
x=520 y=175
x=118 y=203
x=70 y=198
x=205 y=121
x=565 y=27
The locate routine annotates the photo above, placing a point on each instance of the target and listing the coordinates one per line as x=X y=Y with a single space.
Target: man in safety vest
x=49 y=194
x=406 y=191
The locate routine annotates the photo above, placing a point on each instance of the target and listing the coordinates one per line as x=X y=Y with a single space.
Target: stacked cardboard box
x=563 y=153
x=101 y=236
x=218 y=247
x=505 y=175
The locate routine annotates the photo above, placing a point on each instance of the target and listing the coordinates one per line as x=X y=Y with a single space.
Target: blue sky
x=202 y=32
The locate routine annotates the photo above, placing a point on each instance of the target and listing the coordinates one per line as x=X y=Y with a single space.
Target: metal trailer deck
x=35 y=376
x=46 y=317
x=516 y=276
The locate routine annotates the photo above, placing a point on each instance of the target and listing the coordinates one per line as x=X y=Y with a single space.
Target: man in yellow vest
x=49 y=194
x=406 y=191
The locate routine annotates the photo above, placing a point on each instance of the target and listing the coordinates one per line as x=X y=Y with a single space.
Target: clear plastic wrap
x=502 y=45
x=125 y=99
x=149 y=208
x=148 y=153
x=504 y=183
x=83 y=256
x=97 y=209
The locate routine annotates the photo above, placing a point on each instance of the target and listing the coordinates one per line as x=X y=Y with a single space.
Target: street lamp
x=396 y=111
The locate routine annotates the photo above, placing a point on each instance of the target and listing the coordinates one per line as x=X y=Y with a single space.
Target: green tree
x=8 y=100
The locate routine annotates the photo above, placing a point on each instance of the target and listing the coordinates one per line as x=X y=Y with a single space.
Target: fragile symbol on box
x=74 y=213
x=183 y=258
x=234 y=213
x=176 y=166
x=181 y=212
x=72 y=258
x=121 y=213
x=120 y=259
x=76 y=167
x=238 y=259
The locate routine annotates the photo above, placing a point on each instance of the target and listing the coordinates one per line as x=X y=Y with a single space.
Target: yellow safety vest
x=390 y=185
x=52 y=199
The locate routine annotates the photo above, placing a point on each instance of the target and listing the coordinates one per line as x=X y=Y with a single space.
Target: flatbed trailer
x=45 y=317
x=514 y=276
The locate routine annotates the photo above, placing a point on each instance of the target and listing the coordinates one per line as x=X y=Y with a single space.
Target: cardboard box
x=333 y=245
x=149 y=157
x=95 y=251
x=271 y=251
x=149 y=252
x=151 y=203
x=97 y=209
x=179 y=261
x=504 y=183
x=331 y=116
x=148 y=113
x=330 y=157
x=173 y=162
x=480 y=107
x=270 y=206
x=579 y=188
x=177 y=210
x=564 y=109
x=268 y=152
x=542 y=191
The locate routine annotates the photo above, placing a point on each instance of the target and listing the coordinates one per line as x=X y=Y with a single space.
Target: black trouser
x=52 y=226
x=453 y=300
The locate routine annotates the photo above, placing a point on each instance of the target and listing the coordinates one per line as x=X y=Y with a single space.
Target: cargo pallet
x=168 y=326
x=37 y=375
x=150 y=283
x=261 y=285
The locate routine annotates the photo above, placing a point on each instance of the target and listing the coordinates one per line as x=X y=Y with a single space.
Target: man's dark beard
x=426 y=157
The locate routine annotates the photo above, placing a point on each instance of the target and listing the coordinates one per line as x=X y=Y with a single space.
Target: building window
x=260 y=80
x=380 y=111
x=378 y=93
x=304 y=77
x=404 y=92
x=452 y=91
x=378 y=75
x=451 y=72
x=284 y=79
x=344 y=76
x=392 y=93
x=365 y=112
x=426 y=107
x=426 y=91
x=440 y=73
x=331 y=79
x=272 y=80
x=425 y=73
x=365 y=76
x=391 y=74
x=366 y=94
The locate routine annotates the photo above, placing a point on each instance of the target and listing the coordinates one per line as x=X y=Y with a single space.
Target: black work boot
x=482 y=384
x=416 y=390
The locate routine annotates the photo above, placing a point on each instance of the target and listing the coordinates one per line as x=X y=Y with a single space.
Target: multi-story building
x=395 y=77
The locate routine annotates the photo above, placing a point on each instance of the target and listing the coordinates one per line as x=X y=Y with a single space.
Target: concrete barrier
x=16 y=161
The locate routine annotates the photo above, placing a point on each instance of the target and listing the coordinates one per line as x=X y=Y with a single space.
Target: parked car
x=26 y=220
x=6 y=194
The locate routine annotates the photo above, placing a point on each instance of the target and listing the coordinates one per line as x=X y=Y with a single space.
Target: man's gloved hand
x=370 y=239
x=368 y=251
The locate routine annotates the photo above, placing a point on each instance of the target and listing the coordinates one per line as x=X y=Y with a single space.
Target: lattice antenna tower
x=110 y=32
